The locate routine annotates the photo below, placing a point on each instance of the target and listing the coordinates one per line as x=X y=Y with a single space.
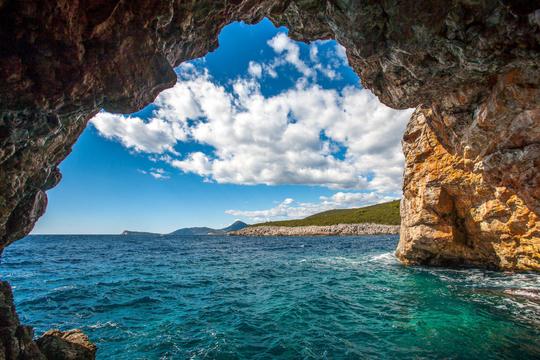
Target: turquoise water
x=268 y=298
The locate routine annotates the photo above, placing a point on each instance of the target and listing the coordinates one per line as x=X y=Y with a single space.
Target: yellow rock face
x=452 y=216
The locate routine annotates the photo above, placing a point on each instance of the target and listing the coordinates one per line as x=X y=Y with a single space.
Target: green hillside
x=385 y=213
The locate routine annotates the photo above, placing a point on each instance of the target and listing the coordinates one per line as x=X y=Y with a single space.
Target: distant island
x=370 y=220
x=139 y=233
x=237 y=225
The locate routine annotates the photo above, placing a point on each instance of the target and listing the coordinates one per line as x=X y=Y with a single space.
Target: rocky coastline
x=17 y=340
x=312 y=230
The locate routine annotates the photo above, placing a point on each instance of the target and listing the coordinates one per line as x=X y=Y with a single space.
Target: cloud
x=291 y=138
x=196 y=162
x=289 y=53
x=309 y=135
x=282 y=44
x=341 y=53
x=255 y=69
x=159 y=134
x=291 y=209
x=156 y=173
x=313 y=52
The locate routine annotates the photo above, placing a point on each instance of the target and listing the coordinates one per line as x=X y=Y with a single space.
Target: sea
x=226 y=297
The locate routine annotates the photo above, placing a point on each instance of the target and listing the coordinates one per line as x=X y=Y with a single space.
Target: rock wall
x=15 y=339
x=472 y=185
x=452 y=215
x=311 y=230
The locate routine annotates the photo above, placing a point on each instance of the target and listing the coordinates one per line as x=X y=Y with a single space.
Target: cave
x=470 y=68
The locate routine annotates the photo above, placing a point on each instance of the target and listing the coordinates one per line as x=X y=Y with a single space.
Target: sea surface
x=268 y=298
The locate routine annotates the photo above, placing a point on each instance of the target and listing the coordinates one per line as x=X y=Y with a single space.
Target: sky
x=263 y=128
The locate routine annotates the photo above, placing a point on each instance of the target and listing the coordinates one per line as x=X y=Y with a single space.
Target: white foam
x=387 y=258
x=100 y=325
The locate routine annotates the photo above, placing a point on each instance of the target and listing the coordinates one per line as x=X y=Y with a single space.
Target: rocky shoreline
x=16 y=340
x=312 y=230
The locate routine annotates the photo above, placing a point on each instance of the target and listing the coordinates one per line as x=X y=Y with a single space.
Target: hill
x=195 y=231
x=237 y=225
x=385 y=213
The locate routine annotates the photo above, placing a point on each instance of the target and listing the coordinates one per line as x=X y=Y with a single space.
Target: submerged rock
x=66 y=345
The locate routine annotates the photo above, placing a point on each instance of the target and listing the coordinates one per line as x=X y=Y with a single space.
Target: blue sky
x=263 y=128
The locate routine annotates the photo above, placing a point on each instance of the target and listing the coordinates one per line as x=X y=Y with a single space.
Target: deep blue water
x=268 y=298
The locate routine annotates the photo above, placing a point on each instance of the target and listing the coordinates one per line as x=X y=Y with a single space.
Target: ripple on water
x=267 y=298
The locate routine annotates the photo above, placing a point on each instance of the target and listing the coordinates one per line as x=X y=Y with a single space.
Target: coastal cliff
x=452 y=215
x=328 y=230
x=472 y=185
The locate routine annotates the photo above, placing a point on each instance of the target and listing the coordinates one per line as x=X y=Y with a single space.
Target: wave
x=101 y=325
x=527 y=293
x=385 y=258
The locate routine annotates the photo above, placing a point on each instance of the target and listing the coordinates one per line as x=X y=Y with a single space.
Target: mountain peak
x=237 y=225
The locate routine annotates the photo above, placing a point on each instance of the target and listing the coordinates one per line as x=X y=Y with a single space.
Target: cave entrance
x=283 y=123
x=264 y=128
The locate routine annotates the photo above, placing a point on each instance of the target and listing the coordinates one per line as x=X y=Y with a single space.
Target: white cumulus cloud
x=341 y=139
x=255 y=69
x=153 y=136
x=282 y=44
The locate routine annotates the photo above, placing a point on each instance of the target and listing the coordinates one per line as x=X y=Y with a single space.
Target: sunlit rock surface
x=472 y=187
x=66 y=345
x=452 y=216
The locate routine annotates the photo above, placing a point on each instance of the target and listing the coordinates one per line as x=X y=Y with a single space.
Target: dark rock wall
x=470 y=65
x=15 y=339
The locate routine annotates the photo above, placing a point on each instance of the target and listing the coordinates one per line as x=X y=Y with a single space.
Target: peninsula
x=370 y=220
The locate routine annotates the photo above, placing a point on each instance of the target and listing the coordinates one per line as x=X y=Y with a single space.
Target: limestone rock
x=66 y=345
x=451 y=215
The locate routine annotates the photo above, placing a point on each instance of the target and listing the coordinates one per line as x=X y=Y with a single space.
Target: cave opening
x=263 y=117
x=283 y=123
x=469 y=68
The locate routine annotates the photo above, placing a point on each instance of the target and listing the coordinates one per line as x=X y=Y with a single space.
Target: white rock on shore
x=340 y=229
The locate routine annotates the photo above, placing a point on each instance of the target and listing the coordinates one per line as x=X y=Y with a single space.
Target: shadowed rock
x=15 y=339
